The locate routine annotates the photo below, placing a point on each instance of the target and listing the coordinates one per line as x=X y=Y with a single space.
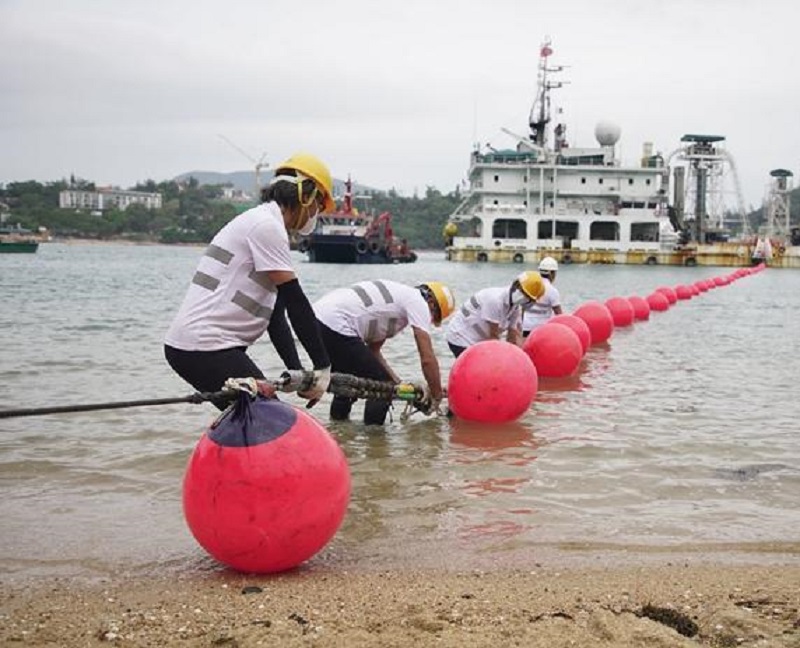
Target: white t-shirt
x=541 y=310
x=470 y=324
x=230 y=299
x=373 y=310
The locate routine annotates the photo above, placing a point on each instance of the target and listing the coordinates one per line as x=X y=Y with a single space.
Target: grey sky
x=392 y=93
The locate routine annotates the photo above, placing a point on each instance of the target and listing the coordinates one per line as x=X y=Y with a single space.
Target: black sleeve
x=304 y=322
x=281 y=336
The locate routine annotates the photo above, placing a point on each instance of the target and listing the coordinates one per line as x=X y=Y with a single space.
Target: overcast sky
x=392 y=93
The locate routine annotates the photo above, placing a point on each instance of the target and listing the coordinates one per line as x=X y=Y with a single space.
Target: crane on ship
x=699 y=171
x=259 y=164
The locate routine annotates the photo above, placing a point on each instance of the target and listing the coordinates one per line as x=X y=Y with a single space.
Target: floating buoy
x=621 y=311
x=576 y=324
x=598 y=319
x=682 y=291
x=700 y=286
x=266 y=488
x=555 y=349
x=669 y=293
x=657 y=301
x=492 y=382
x=721 y=281
x=641 y=309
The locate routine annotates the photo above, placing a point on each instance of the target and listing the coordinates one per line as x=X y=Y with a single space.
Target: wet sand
x=660 y=603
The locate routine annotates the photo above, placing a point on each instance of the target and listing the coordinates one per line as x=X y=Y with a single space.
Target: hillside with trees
x=192 y=212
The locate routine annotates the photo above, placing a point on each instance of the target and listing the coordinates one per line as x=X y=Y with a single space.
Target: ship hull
x=18 y=247
x=721 y=255
x=349 y=250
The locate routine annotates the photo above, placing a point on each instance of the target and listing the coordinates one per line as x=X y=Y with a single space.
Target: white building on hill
x=107 y=198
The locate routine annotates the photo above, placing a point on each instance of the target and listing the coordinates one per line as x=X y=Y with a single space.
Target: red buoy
x=669 y=293
x=266 y=487
x=555 y=349
x=598 y=319
x=682 y=291
x=621 y=311
x=657 y=301
x=641 y=309
x=492 y=382
x=576 y=324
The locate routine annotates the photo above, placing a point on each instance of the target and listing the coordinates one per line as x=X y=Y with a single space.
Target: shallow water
x=681 y=431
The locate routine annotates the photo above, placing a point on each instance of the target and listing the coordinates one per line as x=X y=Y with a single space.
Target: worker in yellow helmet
x=244 y=286
x=493 y=312
x=357 y=320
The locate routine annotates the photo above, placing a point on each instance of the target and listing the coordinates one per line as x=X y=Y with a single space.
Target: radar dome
x=607 y=133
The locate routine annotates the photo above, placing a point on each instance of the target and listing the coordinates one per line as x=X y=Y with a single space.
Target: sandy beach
x=674 y=603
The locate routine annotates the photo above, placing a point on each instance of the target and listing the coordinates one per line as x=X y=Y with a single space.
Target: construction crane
x=259 y=164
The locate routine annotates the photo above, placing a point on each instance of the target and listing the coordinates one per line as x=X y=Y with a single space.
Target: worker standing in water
x=538 y=312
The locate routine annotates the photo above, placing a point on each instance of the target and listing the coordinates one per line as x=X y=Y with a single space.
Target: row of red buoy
x=268 y=487
x=496 y=382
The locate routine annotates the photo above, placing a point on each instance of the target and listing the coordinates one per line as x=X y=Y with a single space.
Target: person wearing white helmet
x=493 y=312
x=356 y=322
x=537 y=313
x=244 y=286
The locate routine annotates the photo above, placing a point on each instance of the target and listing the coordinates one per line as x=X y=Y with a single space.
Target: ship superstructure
x=544 y=197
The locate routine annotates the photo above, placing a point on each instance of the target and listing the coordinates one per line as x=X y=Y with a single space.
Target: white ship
x=582 y=205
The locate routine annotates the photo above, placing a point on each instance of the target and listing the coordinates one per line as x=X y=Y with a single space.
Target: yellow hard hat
x=444 y=299
x=531 y=284
x=314 y=168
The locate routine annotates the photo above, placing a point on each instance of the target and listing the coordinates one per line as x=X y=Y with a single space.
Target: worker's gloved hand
x=249 y=386
x=317 y=387
x=426 y=403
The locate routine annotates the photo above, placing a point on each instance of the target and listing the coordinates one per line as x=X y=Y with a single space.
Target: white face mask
x=519 y=298
x=311 y=223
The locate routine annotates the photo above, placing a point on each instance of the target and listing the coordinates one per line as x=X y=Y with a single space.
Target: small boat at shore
x=17 y=240
x=349 y=236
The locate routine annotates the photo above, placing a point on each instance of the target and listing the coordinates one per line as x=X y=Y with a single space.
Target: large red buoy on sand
x=492 y=382
x=555 y=349
x=641 y=309
x=621 y=311
x=266 y=487
x=598 y=319
x=576 y=324
x=658 y=301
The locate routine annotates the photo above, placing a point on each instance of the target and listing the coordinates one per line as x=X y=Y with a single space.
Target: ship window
x=497 y=178
x=630 y=181
x=565 y=230
x=583 y=180
x=644 y=232
x=647 y=181
x=604 y=231
x=600 y=181
x=509 y=228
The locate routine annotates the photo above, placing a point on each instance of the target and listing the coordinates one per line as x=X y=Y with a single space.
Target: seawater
x=681 y=431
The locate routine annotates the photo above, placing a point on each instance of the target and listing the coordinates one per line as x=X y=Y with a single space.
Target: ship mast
x=540 y=110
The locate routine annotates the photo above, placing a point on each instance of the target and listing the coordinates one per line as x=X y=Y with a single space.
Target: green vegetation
x=193 y=213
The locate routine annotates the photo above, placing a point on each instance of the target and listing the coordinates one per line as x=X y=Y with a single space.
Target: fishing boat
x=544 y=197
x=350 y=236
x=17 y=240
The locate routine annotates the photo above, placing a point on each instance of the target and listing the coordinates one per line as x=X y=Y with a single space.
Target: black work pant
x=207 y=371
x=350 y=355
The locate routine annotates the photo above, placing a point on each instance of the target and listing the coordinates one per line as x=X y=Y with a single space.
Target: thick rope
x=340 y=385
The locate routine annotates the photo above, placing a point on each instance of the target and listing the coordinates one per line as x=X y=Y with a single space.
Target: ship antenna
x=540 y=110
